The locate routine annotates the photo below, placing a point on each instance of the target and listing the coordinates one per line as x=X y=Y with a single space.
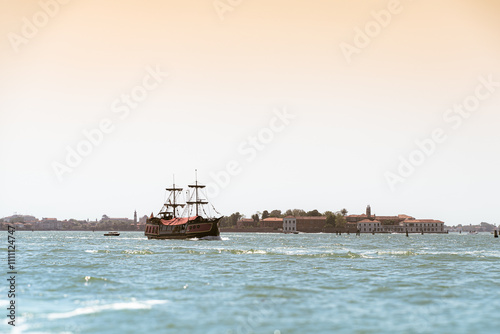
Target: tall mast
x=196 y=186
x=173 y=194
x=196 y=182
x=171 y=202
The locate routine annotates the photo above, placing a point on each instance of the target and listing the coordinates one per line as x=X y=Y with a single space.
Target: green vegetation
x=335 y=219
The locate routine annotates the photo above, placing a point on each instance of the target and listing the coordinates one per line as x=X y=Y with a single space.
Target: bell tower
x=369 y=212
x=135 y=217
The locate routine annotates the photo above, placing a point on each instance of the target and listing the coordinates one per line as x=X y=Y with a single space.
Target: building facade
x=274 y=223
x=289 y=224
x=245 y=223
x=368 y=223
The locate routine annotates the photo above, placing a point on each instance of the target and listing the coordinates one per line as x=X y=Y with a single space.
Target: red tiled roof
x=272 y=219
x=369 y=221
x=426 y=221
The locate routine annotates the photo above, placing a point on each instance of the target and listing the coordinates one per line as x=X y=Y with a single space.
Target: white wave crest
x=99 y=308
x=211 y=237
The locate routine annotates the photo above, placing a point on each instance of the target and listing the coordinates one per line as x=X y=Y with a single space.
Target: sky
x=278 y=104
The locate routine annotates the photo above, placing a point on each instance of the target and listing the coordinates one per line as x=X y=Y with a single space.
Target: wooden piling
x=406 y=232
x=496 y=234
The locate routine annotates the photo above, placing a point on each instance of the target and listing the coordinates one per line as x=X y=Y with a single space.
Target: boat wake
x=209 y=237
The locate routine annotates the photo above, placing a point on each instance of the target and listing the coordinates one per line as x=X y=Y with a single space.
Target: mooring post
x=496 y=234
x=406 y=232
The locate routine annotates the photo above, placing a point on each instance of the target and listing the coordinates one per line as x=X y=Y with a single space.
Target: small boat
x=168 y=224
x=112 y=234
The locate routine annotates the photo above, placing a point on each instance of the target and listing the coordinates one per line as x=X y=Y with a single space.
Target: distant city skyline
x=278 y=105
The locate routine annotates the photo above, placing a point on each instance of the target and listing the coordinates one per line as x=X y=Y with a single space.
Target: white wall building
x=424 y=225
x=289 y=224
x=369 y=226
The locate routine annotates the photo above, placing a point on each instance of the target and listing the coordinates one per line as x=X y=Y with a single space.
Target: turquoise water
x=83 y=282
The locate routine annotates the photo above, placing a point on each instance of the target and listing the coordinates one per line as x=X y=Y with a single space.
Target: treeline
x=336 y=219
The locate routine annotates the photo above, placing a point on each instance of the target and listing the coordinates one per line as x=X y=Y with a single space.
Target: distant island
x=275 y=221
x=330 y=222
x=31 y=223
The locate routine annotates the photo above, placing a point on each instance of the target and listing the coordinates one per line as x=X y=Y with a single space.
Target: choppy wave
x=137 y=252
x=397 y=253
x=259 y=283
x=94 y=279
x=97 y=251
x=210 y=237
x=146 y=305
x=292 y=253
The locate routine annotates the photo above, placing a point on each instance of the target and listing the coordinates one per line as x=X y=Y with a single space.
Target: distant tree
x=233 y=219
x=343 y=212
x=265 y=214
x=230 y=221
x=299 y=213
x=330 y=218
x=275 y=214
x=255 y=218
x=340 y=220
x=314 y=213
x=289 y=212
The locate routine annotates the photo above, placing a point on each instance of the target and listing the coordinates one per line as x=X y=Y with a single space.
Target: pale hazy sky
x=352 y=118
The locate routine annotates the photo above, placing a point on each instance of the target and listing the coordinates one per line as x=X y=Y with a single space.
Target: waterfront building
x=271 y=222
x=106 y=219
x=368 y=223
x=369 y=226
x=424 y=225
x=143 y=220
x=311 y=224
x=245 y=223
x=289 y=224
x=50 y=224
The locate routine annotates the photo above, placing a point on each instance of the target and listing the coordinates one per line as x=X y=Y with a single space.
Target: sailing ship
x=168 y=224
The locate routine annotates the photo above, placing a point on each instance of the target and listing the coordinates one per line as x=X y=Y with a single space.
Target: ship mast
x=171 y=202
x=196 y=186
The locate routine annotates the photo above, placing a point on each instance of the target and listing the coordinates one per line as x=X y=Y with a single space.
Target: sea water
x=84 y=282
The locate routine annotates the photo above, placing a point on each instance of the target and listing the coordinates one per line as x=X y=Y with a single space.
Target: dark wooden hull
x=198 y=228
